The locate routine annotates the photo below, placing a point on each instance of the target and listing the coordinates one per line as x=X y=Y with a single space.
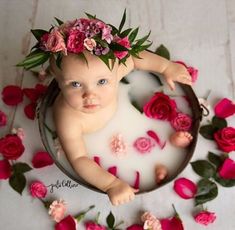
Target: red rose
x=11 y=147
x=94 y=226
x=75 y=41
x=68 y=223
x=225 y=139
x=12 y=95
x=160 y=107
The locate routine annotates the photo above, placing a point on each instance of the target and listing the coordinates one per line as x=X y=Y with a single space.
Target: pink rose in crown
x=150 y=221
x=68 y=223
x=225 y=139
x=57 y=210
x=205 y=217
x=3 y=119
x=125 y=43
x=75 y=41
x=12 y=95
x=143 y=145
x=224 y=108
x=53 y=42
x=38 y=189
x=227 y=170
x=94 y=226
x=191 y=70
x=181 y=122
x=89 y=43
x=5 y=169
x=11 y=147
x=160 y=107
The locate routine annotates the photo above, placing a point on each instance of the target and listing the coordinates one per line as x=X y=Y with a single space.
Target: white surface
x=199 y=32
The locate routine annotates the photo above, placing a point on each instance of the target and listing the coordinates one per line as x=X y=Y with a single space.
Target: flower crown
x=91 y=34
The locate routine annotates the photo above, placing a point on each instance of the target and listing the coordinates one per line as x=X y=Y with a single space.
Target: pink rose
x=150 y=221
x=143 y=144
x=94 y=226
x=227 y=170
x=54 y=42
x=181 y=122
x=225 y=139
x=38 y=189
x=224 y=108
x=5 y=169
x=11 y=147
x=3 y=119
x=160 y=107
x=191 y=70
x=57 y=210
x=75 y=41
x=19 y=132
x=68 y=223
x=125 y=43
x=205 y=217
x=89 y=43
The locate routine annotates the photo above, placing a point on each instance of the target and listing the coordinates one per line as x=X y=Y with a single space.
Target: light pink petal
x=173 y=223
x=42 y=159
x=113 y=170
x=97 y=160
x=185 y=188
x=154 y=135
x=5 y=169
x=137 y=180
x=227 y=171
x=224 y=108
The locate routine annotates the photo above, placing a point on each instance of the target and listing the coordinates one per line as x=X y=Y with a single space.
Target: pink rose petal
x=113 y=170
x=42 y=159
x=224 y=108
x=173 y=223
x=185 y=188
x=154 y=135
x=227 y=171
x=137 y=180
x=97 y=160
x=5 y=169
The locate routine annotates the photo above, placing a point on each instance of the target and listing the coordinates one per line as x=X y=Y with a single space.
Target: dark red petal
x=5 y=169
x=68 y=223
x=113 y=170
x=12 y=95
x=173 y=223
x=30 y=110
x=185 y=188
x=224 y=108
x=227 y=171
x=135 y=227
x=137 y=180
x=42 y=159
x=97 y=160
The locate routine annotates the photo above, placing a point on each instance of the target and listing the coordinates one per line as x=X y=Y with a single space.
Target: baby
x=88 y=59
x=88 y=100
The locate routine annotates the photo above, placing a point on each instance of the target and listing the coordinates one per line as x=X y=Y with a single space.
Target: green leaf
x=117 y=47
x=219 y=123
x=59 y=21
x=110 y=220
x=18 y=182
x=225 y=182
x=203 y=168
x=38 y=33
x=90 y=16
x=136 y=105
x=207 y=190
x=114 y=29
x=163 y=52
x=20 y=168
x=34 y=59
x=207 y=131
x=125 y=32
x=105 y=59
x=214 y=159
x=122 y=21
x=142 y=40
x=133 y=35
x=59 y=60
x=141 y=48
x=125 y=81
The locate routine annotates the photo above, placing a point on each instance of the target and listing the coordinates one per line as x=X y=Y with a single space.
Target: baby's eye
x=76 y=84
x=102 y=82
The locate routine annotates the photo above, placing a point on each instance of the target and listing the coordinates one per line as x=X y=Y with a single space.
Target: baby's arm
x=172 y=71
x=72 y=142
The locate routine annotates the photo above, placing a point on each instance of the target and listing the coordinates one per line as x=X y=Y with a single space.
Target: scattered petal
x=97 y=160
x=227 y=170
x=90 y=225
x=30 y=110
x=12 y=95
x=137 y=180
x=42 y=159
x=224 y=108
x=68 y=223
x=113 y=170
x=173 y=223
x=5 y=169
x=31 y=93
x=154 y=135
x=185 y=188
x=3 y=118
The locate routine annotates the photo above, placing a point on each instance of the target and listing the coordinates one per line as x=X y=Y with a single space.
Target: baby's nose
x=88 y=94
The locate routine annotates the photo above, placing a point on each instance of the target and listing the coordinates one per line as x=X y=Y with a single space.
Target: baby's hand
x=176 y=72
x=120 y=192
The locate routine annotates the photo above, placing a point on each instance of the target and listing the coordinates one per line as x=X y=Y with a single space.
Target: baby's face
x=88 y=88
